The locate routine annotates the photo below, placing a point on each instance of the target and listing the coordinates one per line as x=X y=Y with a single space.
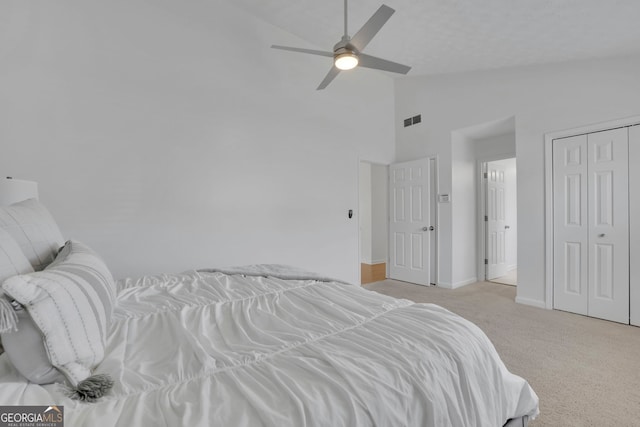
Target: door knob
x=506 y=227
x=430 y=228
x=601 y=235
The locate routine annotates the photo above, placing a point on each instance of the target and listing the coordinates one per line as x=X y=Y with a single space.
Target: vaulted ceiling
x=443 y=36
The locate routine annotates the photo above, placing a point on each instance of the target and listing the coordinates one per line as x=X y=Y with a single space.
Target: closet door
x=608 y=167
x=570 y=225
x=591 y=224
x=634 y=224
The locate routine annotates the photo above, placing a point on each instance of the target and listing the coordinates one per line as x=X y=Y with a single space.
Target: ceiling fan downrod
x=346 y=34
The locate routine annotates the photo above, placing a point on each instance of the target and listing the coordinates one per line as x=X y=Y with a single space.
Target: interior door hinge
x=486 y=261
x=486 y=218
x=486 y=175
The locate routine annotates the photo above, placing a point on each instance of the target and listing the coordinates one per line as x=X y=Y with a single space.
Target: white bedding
x=210 y=349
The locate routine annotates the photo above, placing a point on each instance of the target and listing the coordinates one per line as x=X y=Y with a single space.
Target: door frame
x=548 y=190
x=357 y=215
x=434 y=269
x=481 y=206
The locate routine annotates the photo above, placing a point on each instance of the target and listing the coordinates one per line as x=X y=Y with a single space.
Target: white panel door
x=570 y=225
x=409 y=222
x=634 y=224
x=591 y=224
x=609 y=225
x=496 y=226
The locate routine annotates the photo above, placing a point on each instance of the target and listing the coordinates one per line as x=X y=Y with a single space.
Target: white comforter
x=210 y=349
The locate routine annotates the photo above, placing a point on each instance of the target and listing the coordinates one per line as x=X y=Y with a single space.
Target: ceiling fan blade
x=371 y=27
x=369 y=61
x=333 y=72
x=298 y=49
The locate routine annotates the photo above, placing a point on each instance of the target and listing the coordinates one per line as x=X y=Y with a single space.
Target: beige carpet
x=585 y=371
x=511 y=278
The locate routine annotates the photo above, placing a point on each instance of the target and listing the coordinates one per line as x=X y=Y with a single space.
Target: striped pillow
x=34 y=229
x=71 y=302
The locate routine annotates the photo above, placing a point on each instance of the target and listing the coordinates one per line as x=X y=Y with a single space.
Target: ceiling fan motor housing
x=344 y=46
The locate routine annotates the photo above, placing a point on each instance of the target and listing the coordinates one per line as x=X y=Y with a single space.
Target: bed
x=271 y=345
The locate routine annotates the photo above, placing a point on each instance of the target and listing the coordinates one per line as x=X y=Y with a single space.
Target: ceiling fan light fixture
x=346 y=61
x=347 y=52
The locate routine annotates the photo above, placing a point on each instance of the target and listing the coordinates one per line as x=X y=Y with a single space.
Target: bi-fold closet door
x=591 y=224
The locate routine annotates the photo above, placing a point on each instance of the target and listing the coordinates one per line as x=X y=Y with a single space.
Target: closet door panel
x=570 y=275
x=608 y=230
x=634 y=224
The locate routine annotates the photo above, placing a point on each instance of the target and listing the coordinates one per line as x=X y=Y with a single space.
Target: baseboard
x=457 y=284
x=464 y=283
x=373 y=262
x=531 y=302
x=512 y=267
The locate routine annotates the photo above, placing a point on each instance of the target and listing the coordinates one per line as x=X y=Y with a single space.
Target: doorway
x=372 y=219
x=500 y=218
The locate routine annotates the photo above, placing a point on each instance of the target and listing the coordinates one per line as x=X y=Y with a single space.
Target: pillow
x=34 y=229
x=12 y=262
x=27 y=352
x=71 y=303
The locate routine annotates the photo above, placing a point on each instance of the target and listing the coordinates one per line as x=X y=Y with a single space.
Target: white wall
x=379 y=213
x=496 y=147
x=365 y=212
x=464 y=211
x=542 y=98
x=168 y=135
x=373 y=213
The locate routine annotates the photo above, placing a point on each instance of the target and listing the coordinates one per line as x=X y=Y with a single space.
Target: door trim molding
x=436 y=219
x=548 y=190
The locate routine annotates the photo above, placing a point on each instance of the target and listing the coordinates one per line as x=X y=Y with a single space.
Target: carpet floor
x=585 y=371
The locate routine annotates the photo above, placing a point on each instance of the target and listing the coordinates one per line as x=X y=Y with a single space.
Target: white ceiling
x=443 y=36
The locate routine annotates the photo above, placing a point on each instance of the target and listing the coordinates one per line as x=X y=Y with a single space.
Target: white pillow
x=12 y=260
x=34 y=229
x=71 y=303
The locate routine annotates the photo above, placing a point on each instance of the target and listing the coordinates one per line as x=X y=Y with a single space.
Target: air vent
x=412 y=120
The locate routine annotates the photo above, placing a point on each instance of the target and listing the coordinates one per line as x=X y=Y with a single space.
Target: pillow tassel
x=91 y=389
x=8 y=316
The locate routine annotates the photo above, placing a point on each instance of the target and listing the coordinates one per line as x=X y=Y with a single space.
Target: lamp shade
x=17 y=190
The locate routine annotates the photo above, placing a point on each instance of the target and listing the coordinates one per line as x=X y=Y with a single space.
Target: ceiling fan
x=347 y=53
